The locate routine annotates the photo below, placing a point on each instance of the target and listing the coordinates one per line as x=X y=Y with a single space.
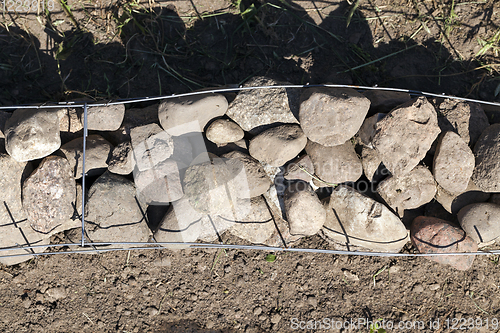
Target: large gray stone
x=335 y=165
x=256 y=110
x=481 y=221
x=18 y=235
x=122 y=160
x=404 y=136
x=278 y=145
x=465 y=118
x=251 y=221
x=304 y=211
x=223 y=131
x=408 y=191
x=31 y=134
x=151 y=145
x=97 y=154
x=156 y=175
x=69 y=121
x=103 y=118
x=49 y=194
x=113 y=213
x=160 y=184
x=487 y=151
x=331 y=116
x=353 y=218
x=15 y=230
x=180 y=224
x=70 y=126
x=453 y=163
x=188 y=114
x=208 y=186
x=247 y=173
x=281 y=235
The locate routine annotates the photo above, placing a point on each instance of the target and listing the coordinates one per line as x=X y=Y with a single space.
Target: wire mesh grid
x=89 y=247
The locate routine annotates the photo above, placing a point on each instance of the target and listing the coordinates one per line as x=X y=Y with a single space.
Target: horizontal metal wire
x=165 y=246
x=81 y=104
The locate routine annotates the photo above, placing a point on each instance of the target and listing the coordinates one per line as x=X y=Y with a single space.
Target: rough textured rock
x=370 y=159
x=223 y=131
x=432 y=235
x=208 y=186
x=487 y=151
x=31 y=134
x=257 y=109
x=188 y=114
x=385 y=101
x=453 y=163
x=49 y=194
x=151 y=145
x=247 y=172
x=122 y=160
x=13 y=219
x=70 y=126
x=481 y=221
x=409 y=191
x=281 y=235
x=113 y=213
x=368 y=128
x=278 y=145
x=17 y=235
x=103 y=118
x=254 y=223
x=159 y=184
x=156 y=175
x=331 y=116
x=212 y=228
x=353 y=218
x=466 y=119
x=338 y=164
x=97 y=154
x=405 y=135
x=3 y=119
x=180 y=224
x=304 y=211
x=69 y=121
x=294 y=172
x=453 y=203
x=75 y=221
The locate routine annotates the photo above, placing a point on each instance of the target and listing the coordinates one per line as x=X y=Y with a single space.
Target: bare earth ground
x=107 y=49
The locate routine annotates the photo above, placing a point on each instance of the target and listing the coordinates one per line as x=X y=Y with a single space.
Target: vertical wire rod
x=83 y=170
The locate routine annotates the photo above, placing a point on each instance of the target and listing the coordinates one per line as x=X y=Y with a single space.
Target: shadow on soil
x=186 y=327
x=159 y=55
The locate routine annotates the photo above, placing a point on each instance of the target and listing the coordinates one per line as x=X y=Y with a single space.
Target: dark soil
x=106 y=49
